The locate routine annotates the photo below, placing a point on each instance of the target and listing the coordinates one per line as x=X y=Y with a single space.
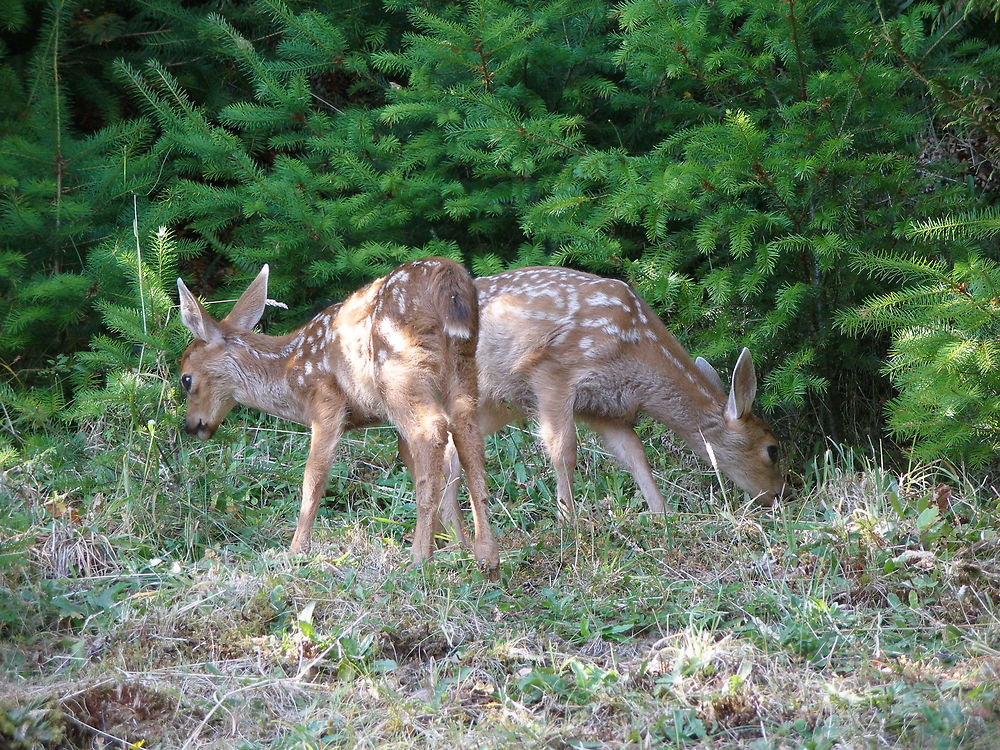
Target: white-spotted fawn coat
x=401 y=349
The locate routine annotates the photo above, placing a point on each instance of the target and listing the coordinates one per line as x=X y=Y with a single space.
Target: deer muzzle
x=770 y=499
x=199 y=429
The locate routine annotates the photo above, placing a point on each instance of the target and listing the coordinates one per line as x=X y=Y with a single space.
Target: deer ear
x=195 y=317
x=249 y=308
x=710 y=373
x=744 y=388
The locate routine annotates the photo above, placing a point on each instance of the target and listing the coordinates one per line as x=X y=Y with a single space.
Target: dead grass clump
x=67 y=550
x=413 y=645
x=732 y=685
x=127 y=710
x=979 y=564
x=731 y=711
x=107 y=713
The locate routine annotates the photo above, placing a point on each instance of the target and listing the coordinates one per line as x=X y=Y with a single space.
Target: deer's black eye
x=772 y=453
x=186 y=382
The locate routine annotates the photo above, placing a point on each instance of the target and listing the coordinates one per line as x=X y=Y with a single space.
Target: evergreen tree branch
x=798 y=50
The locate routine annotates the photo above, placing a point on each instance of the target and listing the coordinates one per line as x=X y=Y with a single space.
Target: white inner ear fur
x=744 y=387
x=710 y=373
x=194 y=317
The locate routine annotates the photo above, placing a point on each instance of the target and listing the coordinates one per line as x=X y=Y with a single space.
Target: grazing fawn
x=400 y=349
x=562 y=345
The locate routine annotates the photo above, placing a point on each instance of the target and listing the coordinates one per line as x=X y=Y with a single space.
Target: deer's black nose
x=199 y=429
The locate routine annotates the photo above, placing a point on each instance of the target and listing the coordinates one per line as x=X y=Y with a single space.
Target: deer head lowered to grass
x=562 y=345
x=400 y=349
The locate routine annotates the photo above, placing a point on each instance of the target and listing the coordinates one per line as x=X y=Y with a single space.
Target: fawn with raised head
x=562 y=345
x=401 y=349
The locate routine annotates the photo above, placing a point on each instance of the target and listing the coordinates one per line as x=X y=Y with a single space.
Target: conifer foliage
x=945 y=355
x=740 y=161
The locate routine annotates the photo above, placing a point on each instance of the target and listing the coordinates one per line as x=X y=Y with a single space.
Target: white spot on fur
x=600 y=299
x=546 y=291
x=572 y=301
x=670 y=357
x=394 y=336
x=538 y=315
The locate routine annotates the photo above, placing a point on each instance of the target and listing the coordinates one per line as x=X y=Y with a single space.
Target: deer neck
x=280 y=374
x=259 y=368
x=684 y=400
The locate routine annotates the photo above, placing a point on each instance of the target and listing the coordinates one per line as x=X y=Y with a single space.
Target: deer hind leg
x=558 y=433
x=442 y=526
x=468 y=444
x=625 y=446
x=425 y=431
x=492 y=416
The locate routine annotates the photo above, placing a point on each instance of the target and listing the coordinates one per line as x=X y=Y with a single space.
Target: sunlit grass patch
x=861 y=613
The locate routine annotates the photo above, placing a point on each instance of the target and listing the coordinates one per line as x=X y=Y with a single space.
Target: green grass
x=145 y=597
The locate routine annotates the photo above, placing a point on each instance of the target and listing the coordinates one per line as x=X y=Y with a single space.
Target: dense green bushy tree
x=344 y=163
x=793 y=156
x=945 y=324
x=72 y=156
x=942 y=300
x=731 y=159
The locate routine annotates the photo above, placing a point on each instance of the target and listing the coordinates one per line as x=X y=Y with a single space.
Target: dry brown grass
x=832 y=621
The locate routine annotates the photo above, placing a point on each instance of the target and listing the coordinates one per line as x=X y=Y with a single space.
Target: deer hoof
x=490 y=571
x=420 y=555
x=488 y=560
x=298 y=547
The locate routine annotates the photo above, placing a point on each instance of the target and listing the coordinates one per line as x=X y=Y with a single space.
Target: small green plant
x=573 y=682
x=31 y=725
x=680 y=727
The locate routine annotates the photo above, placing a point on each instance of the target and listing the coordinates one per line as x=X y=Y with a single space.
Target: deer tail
x=455 y=294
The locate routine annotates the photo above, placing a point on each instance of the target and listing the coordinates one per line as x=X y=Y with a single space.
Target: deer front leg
x=449 y=515
x=327 y=427
x=625 y=446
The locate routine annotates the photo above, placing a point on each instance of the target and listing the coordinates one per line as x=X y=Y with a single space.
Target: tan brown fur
x=401 y=349
x=562 y=346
